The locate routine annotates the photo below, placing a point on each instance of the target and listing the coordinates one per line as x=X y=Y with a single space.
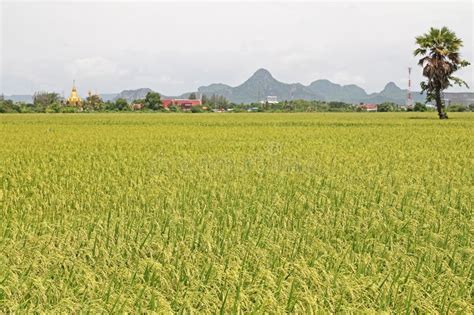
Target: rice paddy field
x=236 y=213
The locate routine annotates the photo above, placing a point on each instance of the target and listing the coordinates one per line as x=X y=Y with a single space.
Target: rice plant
x=236 y=213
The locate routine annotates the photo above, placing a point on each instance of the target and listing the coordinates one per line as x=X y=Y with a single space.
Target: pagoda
x=74 y=98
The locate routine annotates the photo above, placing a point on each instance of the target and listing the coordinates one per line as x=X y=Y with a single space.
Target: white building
x=271 y=99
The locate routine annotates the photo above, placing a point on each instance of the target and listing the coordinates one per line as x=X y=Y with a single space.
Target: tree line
x=47 y=102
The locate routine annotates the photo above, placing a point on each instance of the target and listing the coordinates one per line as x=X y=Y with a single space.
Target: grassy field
x=236 y=213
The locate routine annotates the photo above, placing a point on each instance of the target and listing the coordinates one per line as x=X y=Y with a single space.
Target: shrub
x=456 y=108
x=419 y=107
x=69 y=109
x=196 y=109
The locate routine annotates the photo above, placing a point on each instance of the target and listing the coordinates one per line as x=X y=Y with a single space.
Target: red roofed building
x=369 y=107
x=183 y=103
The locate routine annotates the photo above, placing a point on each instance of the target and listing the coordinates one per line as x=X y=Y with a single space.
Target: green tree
x=196 y=109
x=139 y=101
x=41 y=100
x=192 y=96
x=173 y=108
x=439 y=49
x=53 y=108
x=121 y=104
x=339 y=107
x=216 y=101
x=70 y=109
x=456 y=108
x=387 y=107
x=153 y=101
x=109 y=105
x=7 y=106
x=419 y=107
x=94 y=102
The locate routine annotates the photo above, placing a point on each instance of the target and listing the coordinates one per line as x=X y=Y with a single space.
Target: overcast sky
x=176 y=47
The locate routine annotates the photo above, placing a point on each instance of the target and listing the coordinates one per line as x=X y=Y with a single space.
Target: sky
x=175 y=47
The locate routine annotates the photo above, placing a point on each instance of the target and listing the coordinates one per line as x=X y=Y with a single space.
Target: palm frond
x=458 y=81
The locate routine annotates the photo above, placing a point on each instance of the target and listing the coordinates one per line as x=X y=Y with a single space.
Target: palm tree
x=441 y=58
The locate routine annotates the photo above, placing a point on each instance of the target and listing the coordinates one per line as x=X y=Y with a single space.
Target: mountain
x=108 y=96
x=334 y=92
x=257 y=87
x=465 y=98
x=392 y=93
x=131 y=95
x=262 y=84
x=20 y=98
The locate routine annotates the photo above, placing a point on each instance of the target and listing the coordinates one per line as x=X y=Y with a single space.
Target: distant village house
x=271 y=99
x=184 y=104
x=368 y=107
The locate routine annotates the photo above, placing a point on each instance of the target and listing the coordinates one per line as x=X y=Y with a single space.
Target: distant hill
x=131 y=95
x=465 y=98
x=20 y=98
x=392 y=93
x=259 y=86
x=326 y=90
x=262 y=84
x=108 y=96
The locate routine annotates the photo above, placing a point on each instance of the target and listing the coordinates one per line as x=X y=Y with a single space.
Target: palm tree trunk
x=439 y=105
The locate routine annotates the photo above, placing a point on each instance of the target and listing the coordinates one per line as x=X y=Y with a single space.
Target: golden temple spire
x=74 y=99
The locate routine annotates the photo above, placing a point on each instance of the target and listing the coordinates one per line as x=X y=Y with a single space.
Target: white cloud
x=343 y=78
x=176 y=47
x=92 y=67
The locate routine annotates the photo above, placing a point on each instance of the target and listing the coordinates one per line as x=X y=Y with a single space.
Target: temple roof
x=74 y=97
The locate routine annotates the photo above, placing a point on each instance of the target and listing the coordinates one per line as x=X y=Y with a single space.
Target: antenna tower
x=409 y=102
